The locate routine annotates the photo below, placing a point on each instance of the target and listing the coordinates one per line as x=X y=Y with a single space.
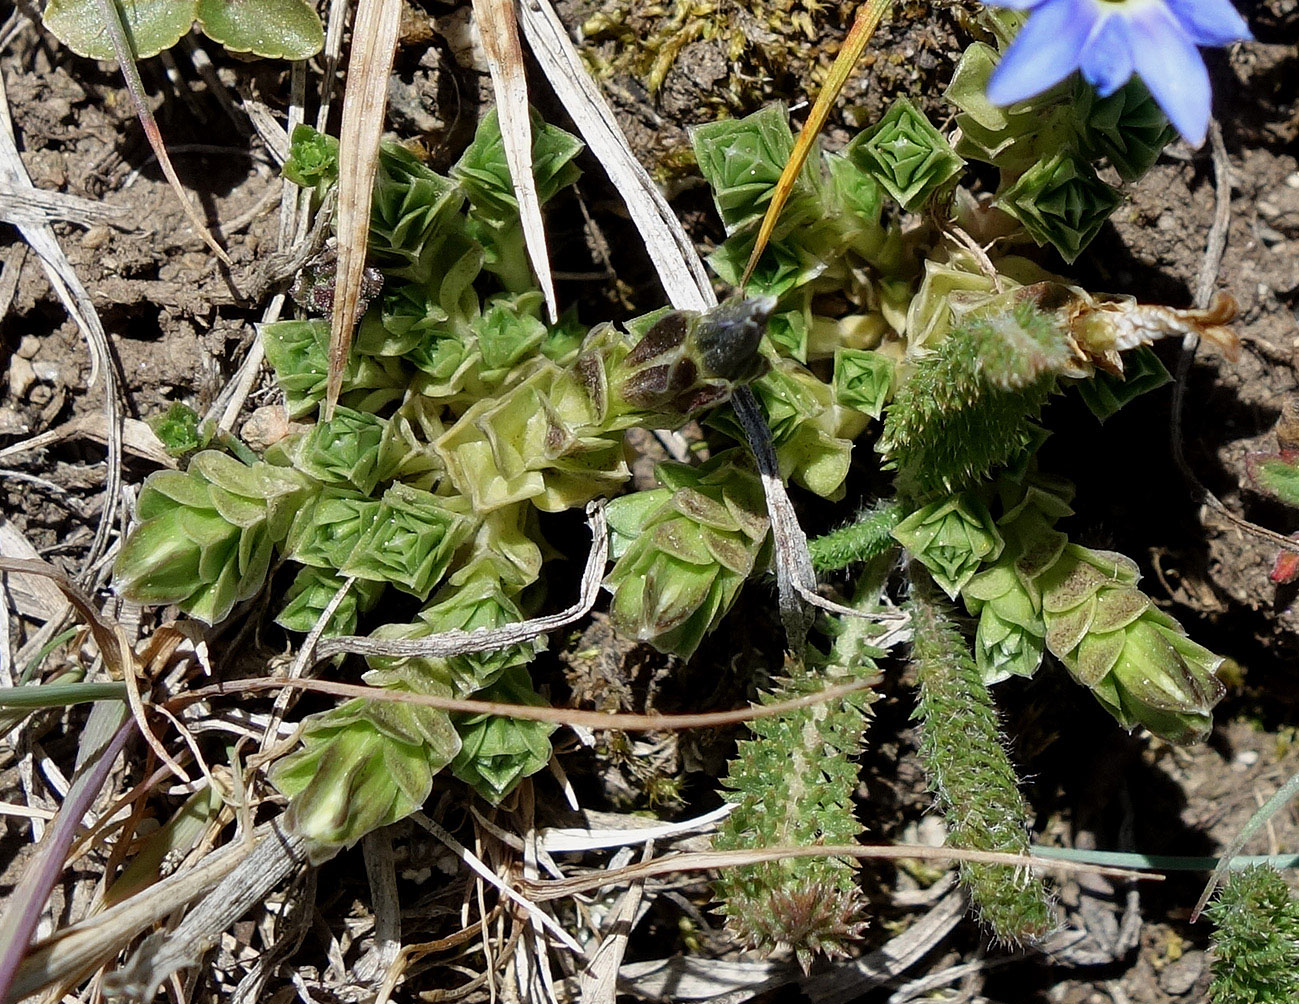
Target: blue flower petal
x=1209 y=22
x=1045 y=51
x=1107 y=61
x=1171 y=67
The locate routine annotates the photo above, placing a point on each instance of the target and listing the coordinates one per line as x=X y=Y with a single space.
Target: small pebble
x=11 y=423
x=96 y=237
x=29 y=346
x=40 y=394
x=47 y=370
x=1292 y=180
x=21 y=377
x=1244 y=760
x=1179 y=977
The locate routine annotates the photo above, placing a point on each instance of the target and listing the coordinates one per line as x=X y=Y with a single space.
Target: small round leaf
x=278 y=29
x=151 y=25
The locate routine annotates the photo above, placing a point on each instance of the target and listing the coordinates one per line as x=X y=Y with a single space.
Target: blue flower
x=1109 y=40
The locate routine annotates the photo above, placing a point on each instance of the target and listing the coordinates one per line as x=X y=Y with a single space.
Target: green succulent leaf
x=328 y=528
x=1061 y=202
x=681 y=569
x=298 y=352
x=411 y=539
x=1127 y=128
x=906 y=155
x=151 y=25
x=952 y=538
x=413 y=211
x=365 y=764
x=863 y=379
x=1106 y=393
x=311 y=593
x=1276 y=475
x=1136 y=660
x=206 y=536
x=497 y=753
x=483 y=173
x=313 y=159
x=178 y=428
x=343 y=451
x=742 y=159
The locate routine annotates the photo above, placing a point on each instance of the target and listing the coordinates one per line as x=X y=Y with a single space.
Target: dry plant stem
x=487 y=875
x=595 y=720
x=500 y=34
x=276 y=856
x=863 y=27
x=135 y=88
x=1213 y=253
x=449 y=643
x=26 y=903
x=374 y=42
x=548 y=889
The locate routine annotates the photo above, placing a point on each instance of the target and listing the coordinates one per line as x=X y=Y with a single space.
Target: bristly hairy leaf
x=967 y=407
x=971 y=775
x=1256 y=944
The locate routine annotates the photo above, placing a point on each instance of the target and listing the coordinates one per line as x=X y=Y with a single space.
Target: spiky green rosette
x=793 y=784
x=206 y=536
x=971 y=775
x=553 y=438
x=1085 y=608
x=968 y=406
x=1061 y=202
x=683 y=551
x=1256 y=943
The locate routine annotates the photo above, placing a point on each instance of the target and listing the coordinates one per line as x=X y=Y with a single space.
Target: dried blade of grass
x=36 y=206
x=475 y=863
x=34 y=596
x=631 y=830
x=374 y=42
x=543 y=890
x=106 y=732
x=679 y=269
x=599 y=980
x=81 y=309
x=500 y=34
x=381 y=873
x=863 y=27
x=275 y=857
x=669 y=247
x=596 y=720
x=81 y=948
x=116 y=31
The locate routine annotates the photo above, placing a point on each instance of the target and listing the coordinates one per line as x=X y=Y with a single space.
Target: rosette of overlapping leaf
x=298 y=352
x=906 y=155
x=1060 y=201
x=1136 y=659
x=413 y=207
x=328 y=527
x=206 y=537
x=343 y=451
x=411 y=539
x=497 y=752
x=683 y=551
x=366 y=763
x=952 y=538
x=1011 y=635
x=311 y=593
